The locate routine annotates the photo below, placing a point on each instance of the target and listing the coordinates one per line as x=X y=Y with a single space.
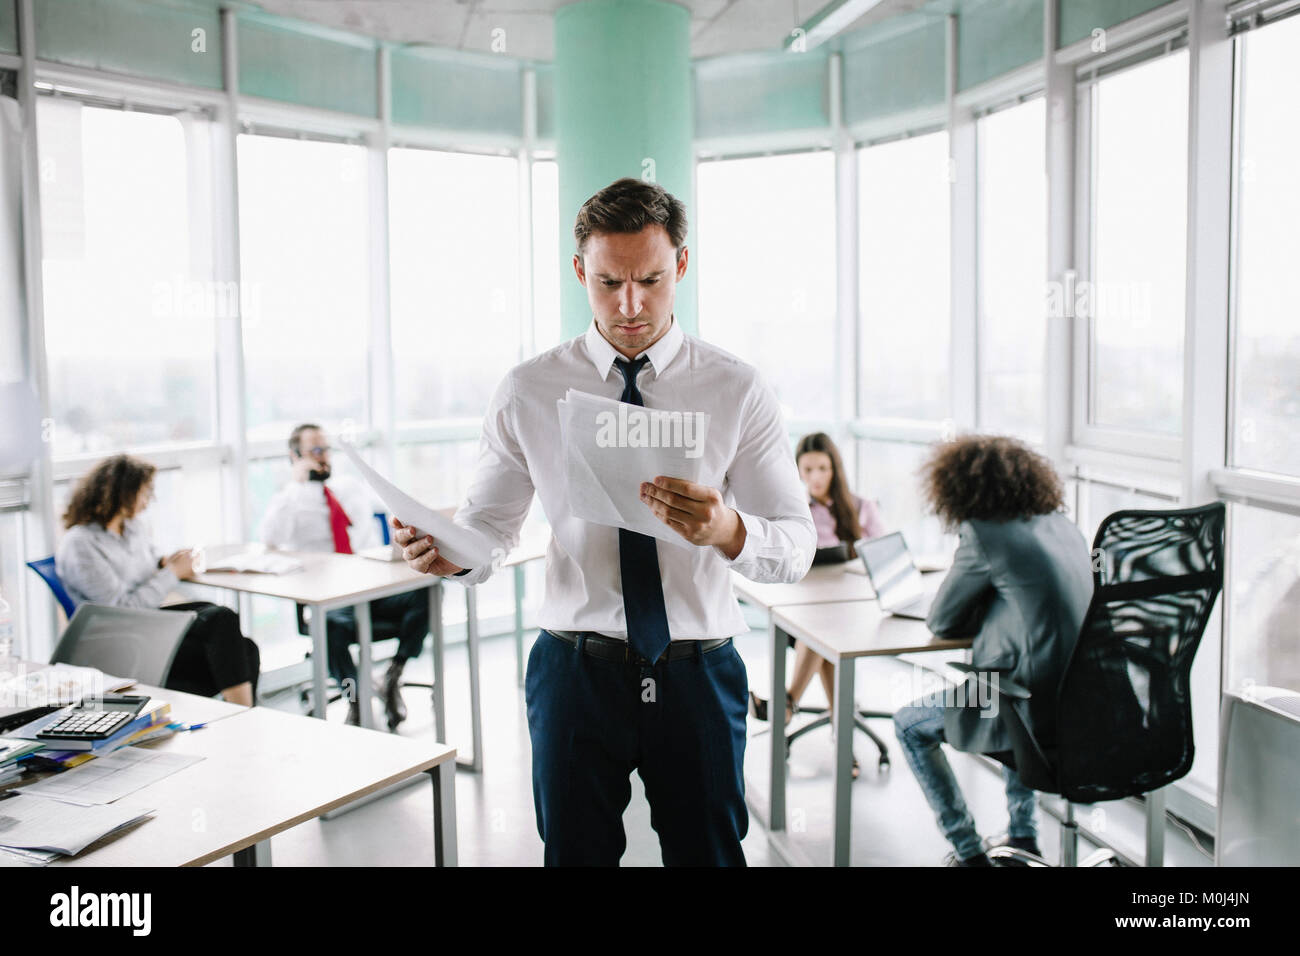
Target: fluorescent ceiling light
x=828 y=21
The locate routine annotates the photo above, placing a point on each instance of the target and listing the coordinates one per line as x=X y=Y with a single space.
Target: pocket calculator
x=95 y=718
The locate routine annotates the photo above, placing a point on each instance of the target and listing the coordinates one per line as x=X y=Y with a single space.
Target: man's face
x=631 y=281
x=313 y=444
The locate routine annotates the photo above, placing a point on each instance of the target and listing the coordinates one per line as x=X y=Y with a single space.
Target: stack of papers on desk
x=30 y=823
x=57 y=684
x=256 y=562
x=611 y=447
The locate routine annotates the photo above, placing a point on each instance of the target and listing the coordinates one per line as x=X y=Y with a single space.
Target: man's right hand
x=420 y=553
x=302 y=468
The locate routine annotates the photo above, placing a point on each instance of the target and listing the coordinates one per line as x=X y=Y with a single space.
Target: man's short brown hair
x=627 y=206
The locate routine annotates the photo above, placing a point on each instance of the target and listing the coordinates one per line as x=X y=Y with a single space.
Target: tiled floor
x=892 y=826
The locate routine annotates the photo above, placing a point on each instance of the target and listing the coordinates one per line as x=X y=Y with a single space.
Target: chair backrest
x=1124 y=723
x=124 y=641
x=50 y=575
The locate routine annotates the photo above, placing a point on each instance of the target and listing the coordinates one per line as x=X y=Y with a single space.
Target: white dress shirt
x=298 y=517
x=747 y=456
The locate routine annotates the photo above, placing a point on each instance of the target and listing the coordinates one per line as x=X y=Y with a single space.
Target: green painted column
x=623 y=107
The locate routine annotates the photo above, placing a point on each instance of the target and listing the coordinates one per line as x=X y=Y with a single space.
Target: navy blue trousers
x=679 y=724
x=408 y=611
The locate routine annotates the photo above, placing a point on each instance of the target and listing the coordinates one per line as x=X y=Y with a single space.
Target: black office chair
x=1123 y=712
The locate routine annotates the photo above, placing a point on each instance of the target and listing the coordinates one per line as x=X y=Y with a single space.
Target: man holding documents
x=634 y=668
x=316 y=512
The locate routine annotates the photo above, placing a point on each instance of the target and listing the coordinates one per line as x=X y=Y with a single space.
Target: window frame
x=1084 y=432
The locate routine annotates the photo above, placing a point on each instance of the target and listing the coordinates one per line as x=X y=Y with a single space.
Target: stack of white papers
x=461 y=546
x=611 y=447
x=38 y=823
x=57 y=684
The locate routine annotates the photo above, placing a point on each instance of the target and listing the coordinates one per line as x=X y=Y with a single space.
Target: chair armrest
x=1005 y=685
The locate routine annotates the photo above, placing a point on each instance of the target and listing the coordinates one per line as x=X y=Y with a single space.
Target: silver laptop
x=898 y=584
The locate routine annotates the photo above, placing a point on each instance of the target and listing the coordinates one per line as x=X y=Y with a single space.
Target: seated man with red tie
x=316 y=513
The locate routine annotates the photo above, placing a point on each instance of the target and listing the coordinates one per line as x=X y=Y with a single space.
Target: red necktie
x=339 y=522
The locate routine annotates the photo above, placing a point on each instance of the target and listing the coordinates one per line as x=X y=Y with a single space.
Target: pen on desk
x=179 y=726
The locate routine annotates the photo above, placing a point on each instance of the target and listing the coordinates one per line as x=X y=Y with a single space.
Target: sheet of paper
x=47 y=684
x=12 y=857
x=611 y=447
x=458 y=545
x=110 y=778
x=39 y=823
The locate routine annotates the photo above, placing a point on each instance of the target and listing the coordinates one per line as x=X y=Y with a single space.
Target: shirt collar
x=603 y=355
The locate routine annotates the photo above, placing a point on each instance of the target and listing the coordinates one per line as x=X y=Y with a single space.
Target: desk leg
x=444 y=814
x=365 y=669
x=439 y=684
x=776 y=715
x=319 y=650
x=259 y=854
x=519 y=624
x=1155 y=801
x=475 y=709
x=843 y=726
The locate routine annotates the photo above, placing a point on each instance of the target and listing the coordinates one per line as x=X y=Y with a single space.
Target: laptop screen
x=892 y=572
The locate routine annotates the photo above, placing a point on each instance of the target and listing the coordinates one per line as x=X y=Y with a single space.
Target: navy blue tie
x=638 y=558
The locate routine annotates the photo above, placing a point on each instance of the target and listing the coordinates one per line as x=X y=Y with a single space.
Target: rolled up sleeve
x=763 y=486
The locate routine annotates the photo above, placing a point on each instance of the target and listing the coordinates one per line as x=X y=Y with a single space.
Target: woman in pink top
x=841 y=518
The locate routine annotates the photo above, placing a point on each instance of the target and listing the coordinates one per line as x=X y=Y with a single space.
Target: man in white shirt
x=634 y=668
x=316 y=512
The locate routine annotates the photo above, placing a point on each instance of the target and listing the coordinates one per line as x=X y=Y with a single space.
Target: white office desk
x=821 y=585
x=841 y=633
x=264 y=771
x=328 y=581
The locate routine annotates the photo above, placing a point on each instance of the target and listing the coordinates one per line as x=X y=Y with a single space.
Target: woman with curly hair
x=1020 y=585
x=106 y=557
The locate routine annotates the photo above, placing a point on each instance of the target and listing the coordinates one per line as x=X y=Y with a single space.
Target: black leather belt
x=613 y=649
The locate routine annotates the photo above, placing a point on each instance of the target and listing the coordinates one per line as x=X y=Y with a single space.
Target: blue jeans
x=920 y=731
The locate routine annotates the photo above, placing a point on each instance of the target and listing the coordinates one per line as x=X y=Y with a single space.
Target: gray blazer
x=1021 y=588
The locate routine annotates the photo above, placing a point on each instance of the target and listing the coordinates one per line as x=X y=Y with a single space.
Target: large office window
x=304 y=257
x=548 y=270
x=1267 y=372
x=454 y=253
x=766 y=261
x=128 y=311
x=1263 y=599
x=1139 y=247
x=903 y=191
x=1012 y=270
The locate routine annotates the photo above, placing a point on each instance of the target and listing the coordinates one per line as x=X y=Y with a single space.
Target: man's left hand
x=696 y=512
